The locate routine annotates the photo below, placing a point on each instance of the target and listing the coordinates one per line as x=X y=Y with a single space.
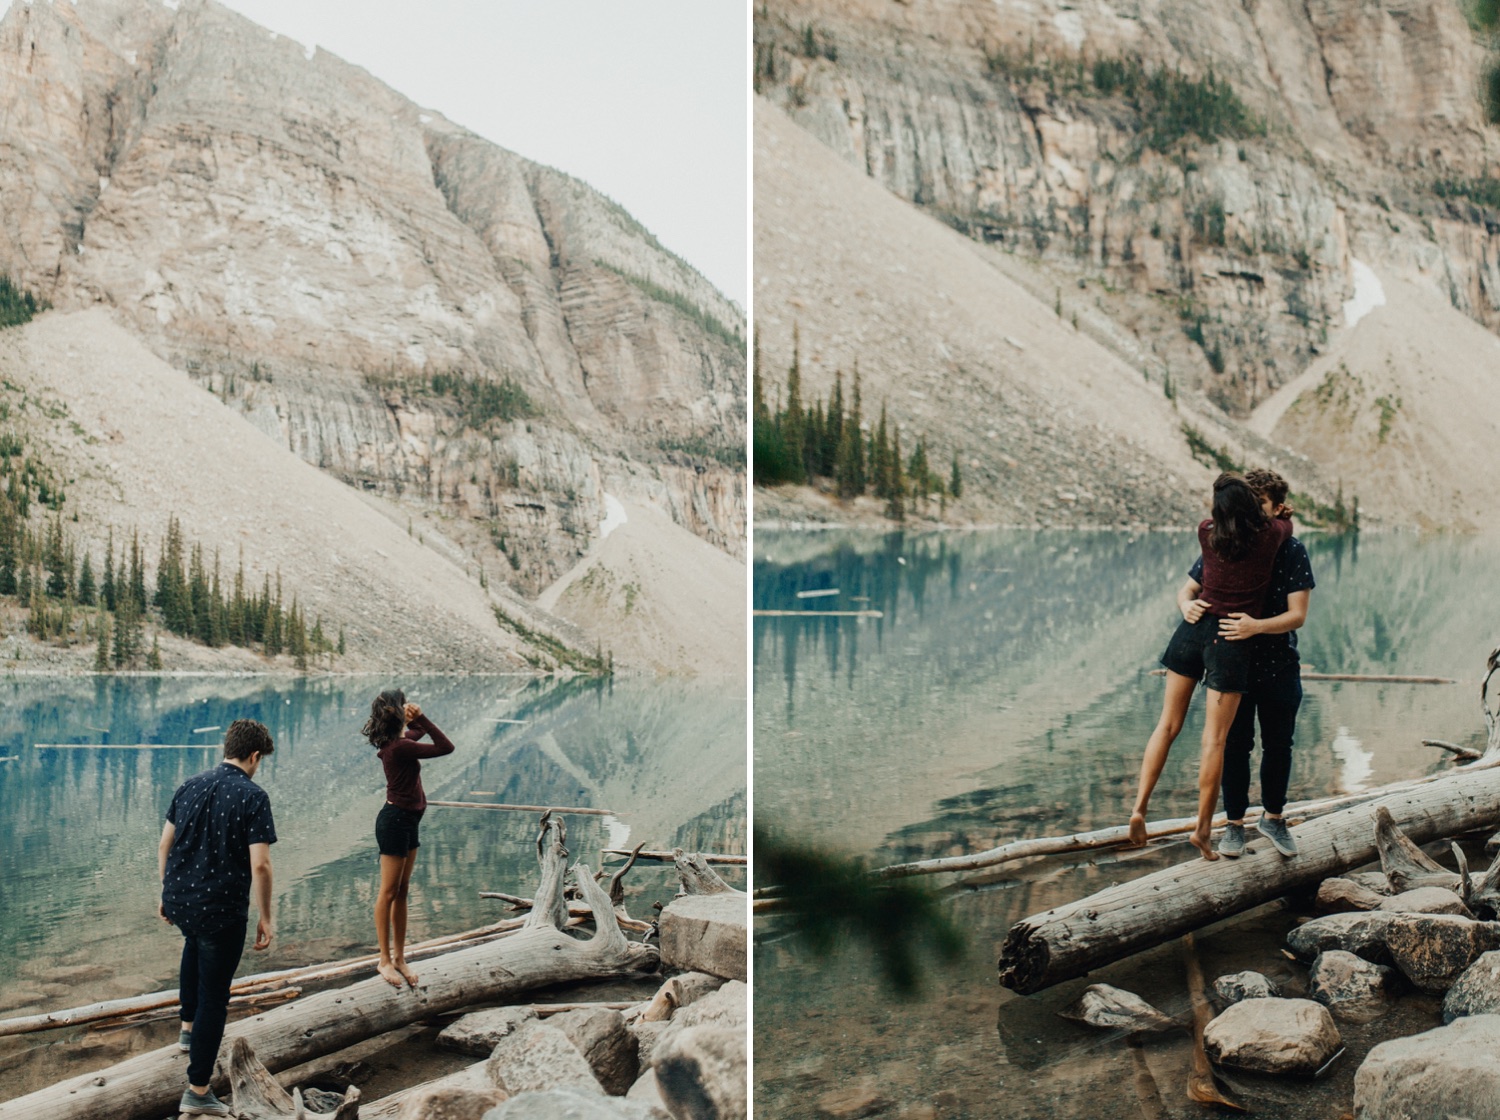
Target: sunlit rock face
x=1234 y=256
x=316 y=249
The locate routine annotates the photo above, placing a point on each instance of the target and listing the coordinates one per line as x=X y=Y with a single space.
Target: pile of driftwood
x=491 y=965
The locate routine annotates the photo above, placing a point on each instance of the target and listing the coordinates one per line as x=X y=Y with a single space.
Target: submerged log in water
x=541 y=954
x=1069 y=941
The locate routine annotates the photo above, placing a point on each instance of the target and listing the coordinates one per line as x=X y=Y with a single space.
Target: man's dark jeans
x=1274 y=698
x=208 y=964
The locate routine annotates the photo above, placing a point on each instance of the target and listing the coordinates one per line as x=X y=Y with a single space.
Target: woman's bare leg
x=391 y=870
x=398 y=920
x=1174 y=706
x=1218 y=715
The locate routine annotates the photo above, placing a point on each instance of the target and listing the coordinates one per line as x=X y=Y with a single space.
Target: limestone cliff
x=402 y=303
x=988 y=114
x=1343 y=136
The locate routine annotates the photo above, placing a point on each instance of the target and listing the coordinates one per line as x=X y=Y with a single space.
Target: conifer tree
x=793 y=421
x=55 y=559
x=833 y=429
x=895 y=507
x=107 y=589
x=956 y=480
x=87 y=592
x=918 y=470
x=9 y=534
x=341 y=640
x=101 y=652
x=153 y=659
x=880 y=459
x=137 y=573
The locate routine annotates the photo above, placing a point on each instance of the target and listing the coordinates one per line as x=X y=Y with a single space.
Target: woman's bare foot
x=406 y=973
x=1200 y=840
x=390 y=975
x=1137 y=830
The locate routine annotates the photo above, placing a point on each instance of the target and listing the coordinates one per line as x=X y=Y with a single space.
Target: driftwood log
x=539 y=955
x=247 y=988
x=696 y=876
x=1069 y=941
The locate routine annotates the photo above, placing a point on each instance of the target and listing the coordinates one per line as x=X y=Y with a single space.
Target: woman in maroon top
x=395 y=729
x=1239 y=546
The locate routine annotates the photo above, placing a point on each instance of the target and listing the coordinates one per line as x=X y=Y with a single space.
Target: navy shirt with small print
x=217 y=814
x=1291 y=571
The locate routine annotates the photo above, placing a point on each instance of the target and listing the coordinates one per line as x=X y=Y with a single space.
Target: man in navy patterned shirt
x=1275 y=681
x=215 y=852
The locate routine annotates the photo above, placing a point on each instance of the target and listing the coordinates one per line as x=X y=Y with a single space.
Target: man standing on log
x=215 y=852
x=1275 y=680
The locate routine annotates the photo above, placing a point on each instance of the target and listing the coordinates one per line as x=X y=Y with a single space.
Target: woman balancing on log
x=395 y=729
x=1239 y=546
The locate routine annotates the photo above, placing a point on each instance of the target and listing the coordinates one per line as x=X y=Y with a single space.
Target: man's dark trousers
x=208 y=963
x=1273 y=697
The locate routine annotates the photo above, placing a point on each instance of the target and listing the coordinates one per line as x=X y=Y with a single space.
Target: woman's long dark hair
x=1237 y=518
x=387 y=714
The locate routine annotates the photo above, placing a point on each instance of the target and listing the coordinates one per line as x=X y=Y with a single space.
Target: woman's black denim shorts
x=396 y=830
x=1197 y=651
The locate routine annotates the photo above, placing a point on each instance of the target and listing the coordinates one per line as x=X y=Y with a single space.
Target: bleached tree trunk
x=1071 y=940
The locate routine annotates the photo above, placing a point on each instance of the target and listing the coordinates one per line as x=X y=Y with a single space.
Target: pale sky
x=645 y=100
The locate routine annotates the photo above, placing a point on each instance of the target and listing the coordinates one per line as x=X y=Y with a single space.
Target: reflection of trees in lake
x=975 y=603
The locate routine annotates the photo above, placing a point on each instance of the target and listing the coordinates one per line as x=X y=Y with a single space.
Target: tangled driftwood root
x=255 y=1095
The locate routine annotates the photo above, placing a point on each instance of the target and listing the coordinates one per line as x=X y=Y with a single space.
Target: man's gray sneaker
x=1232 y=843
x=206 y=1105
x=184 y=1041
x=1278 y=834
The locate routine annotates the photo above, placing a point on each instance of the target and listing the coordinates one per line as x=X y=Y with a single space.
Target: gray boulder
x=536 y=1057
x=707 y=933
x=646 y=1091
x=702 y=1073
x=1349 y=986
x=571 y=1104
x=1477 y=991
x=1434 y=950
x=1243 y=985
x=1373 y=880
x=1425 y=900
x=1281 y=1036
x=1102 y=1005
x=601 y=1036
x=1449 y=1071
x=480 y=1031
x=447 y=1103
x=1362 y=934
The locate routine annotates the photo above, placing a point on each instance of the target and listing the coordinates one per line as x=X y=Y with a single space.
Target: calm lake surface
x=1005 y=693
x=80 y=826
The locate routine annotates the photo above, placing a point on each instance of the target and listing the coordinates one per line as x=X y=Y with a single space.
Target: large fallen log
x=1070 y=940
x=1116 y=835
x=243 y=989
x=539 y=955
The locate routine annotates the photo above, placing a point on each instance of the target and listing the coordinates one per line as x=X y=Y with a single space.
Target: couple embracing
x=1243 y=600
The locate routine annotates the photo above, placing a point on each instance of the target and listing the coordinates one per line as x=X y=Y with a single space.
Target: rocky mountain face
x=1346 y=132
x=400 y=302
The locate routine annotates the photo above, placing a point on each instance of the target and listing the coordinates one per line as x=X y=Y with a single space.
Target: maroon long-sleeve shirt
x=402 y=759
x=1231 y=586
